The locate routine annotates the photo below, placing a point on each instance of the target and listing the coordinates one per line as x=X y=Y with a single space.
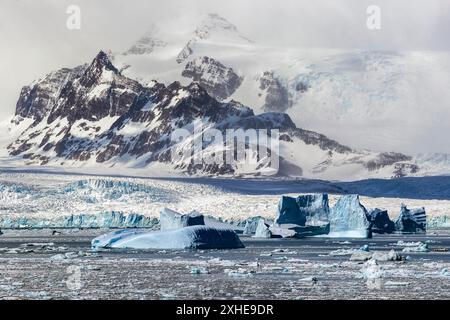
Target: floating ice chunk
x=349 y=214
x=199 y=270
x=170 y=219
x=411 y=220
x=193 y=237
x=386 y=256
x=315 y=207
x=360 y=255
x=262 y=230
x=380 y=222
x=289 y=212
x=251 y=225
x=423 y=247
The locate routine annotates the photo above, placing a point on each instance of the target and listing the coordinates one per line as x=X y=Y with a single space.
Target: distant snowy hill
x=119 y=111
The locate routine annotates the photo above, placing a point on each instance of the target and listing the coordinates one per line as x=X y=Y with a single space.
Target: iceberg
x=170 y=219
x=289 y=212
x=315 y=207
x=262 y=230
x=380 y=222
x=192 y=237
x=349 y=214
x=411 y=220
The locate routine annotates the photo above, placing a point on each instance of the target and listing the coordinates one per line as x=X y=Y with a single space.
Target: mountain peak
x=102 y=60
x=214 y=23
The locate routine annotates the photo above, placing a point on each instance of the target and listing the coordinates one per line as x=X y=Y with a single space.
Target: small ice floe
x=365 y=248
x=312 y=280
x=198 y=270
x=239 y=273
x=396 y=284
x=342 y=252
x=422 y=247
x=69 y=255
x=284 y=251
x=360 y=255
x=341 y=242
x=387 y=256
x=445 y=272
x=402 y=243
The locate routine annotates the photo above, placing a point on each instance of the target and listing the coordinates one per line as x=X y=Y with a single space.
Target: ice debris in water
x=199 y=270
x=422 y=247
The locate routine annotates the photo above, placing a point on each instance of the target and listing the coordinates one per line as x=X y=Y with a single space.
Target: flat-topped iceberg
x=193 y=237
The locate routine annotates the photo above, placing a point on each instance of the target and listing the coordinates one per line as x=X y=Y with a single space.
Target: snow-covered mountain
x=94 y=116
x=120 y=110
x=365 y=99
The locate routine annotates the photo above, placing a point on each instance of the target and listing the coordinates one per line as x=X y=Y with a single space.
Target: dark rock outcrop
x=219 y=81
x=276 y=94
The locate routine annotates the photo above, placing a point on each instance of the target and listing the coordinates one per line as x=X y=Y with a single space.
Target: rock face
x=170 y=219
x=219 y=81
x=276 y=94
x=349 y=214
x=380 y=222
x=411 y=220
x=37 y=100
x=193 y=237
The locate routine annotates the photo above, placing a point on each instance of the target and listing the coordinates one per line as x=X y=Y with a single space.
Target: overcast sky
x=35 y=40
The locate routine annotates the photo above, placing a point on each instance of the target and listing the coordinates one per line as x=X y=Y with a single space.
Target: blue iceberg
x=193 y=237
